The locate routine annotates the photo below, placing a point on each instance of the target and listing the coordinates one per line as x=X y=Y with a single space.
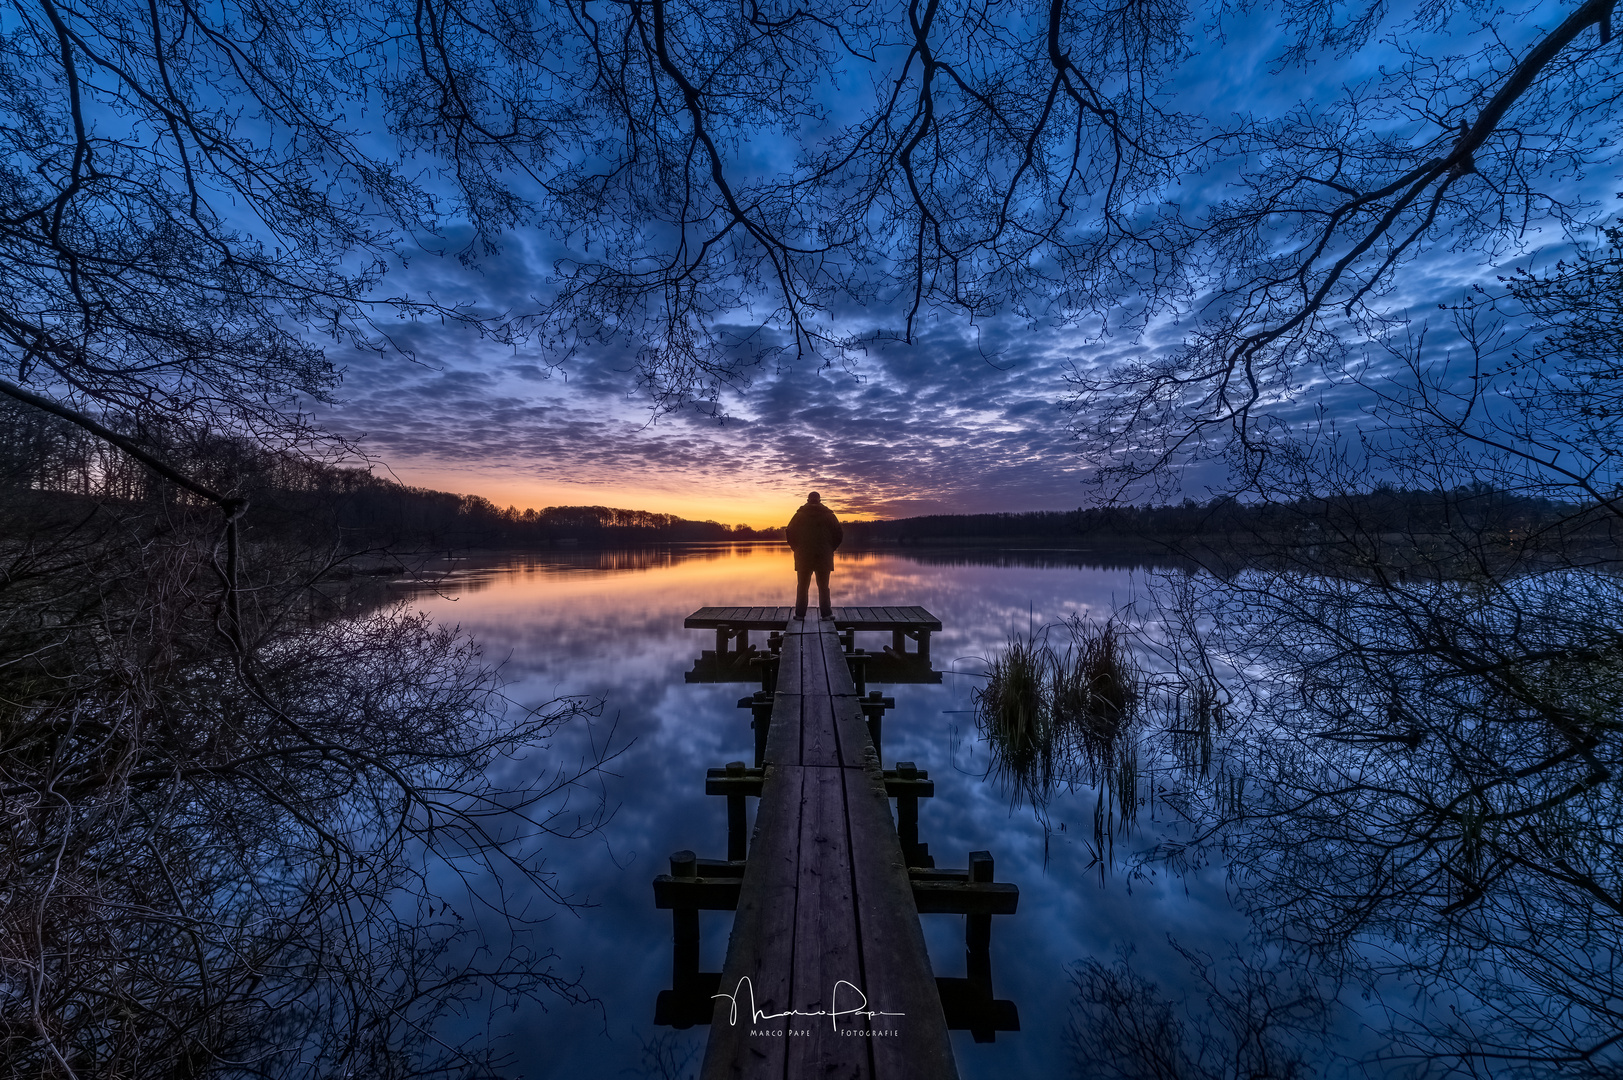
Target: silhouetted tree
x=1457 y=151
x=263 y=845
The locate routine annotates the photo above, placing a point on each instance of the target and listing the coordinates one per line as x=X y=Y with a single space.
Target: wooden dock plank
x=816 y=647
x=893 y=950
x=851 y=728
x=823 y=664
x=849 y=725
x=819 y=741
x=783 y=731
x=790 y=668
x=759 y=969
x=827 y=960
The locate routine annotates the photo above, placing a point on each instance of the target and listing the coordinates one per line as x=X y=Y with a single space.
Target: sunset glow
x=756 y=503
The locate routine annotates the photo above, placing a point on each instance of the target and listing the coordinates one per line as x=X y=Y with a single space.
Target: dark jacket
x=813 y=534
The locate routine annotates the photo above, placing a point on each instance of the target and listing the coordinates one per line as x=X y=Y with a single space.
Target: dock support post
x=907 y=813
x=723 y=635
x=859 y=670
x=684 y=929
x=760 y=706
x=924 y=646
x=873 y=707
x=736 y=838
x=898 y=641
x=978 y=945
x=768 y=663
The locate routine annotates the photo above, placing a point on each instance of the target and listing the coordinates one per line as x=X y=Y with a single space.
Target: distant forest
x=61 y=468
x=57 y=469
x=1497 y=517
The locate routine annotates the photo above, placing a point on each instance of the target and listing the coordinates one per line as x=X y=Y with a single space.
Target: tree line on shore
x=1492 y=516
x=65 y=467
x=294 y=493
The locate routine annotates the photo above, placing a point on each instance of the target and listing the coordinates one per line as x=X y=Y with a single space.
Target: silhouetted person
x=813 y=534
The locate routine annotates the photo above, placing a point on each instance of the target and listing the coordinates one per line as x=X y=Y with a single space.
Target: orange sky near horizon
x=760 y=504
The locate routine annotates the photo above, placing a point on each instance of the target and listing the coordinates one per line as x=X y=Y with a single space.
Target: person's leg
x=823 y=603
x=802 y=588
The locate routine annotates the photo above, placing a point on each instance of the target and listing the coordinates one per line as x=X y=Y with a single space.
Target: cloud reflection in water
x=610 y=625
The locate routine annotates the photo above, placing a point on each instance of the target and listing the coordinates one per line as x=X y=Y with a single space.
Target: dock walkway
x=826 y=918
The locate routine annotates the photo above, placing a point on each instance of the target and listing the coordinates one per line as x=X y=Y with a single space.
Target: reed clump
x=1053 y=716
x=1094 y=691
x=1015 y=714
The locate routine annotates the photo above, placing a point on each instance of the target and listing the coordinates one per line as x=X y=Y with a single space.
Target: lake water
x=609 y=626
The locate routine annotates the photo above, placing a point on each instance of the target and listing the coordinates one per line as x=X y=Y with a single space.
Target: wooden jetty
x=826 y=972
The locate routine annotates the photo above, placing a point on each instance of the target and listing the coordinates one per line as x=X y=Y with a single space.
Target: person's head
x=814 y=498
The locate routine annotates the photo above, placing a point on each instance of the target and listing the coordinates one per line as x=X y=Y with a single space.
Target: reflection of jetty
x=826 y=970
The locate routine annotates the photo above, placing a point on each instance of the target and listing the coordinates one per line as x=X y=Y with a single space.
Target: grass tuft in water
x=1054 y=717
x=1095 y=690
x=1015 y=716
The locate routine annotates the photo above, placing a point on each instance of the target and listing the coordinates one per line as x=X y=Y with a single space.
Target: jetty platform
x=735 y=623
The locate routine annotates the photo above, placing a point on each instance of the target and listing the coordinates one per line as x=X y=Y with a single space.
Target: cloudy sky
x=956 y=423
x=967 y=419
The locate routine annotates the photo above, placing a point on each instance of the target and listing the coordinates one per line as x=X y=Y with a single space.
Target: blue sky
x=966 y=419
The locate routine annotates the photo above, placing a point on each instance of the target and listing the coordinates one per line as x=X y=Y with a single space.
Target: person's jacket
x=813 y=534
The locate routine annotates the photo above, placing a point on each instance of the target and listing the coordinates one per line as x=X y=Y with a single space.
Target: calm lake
x=608 y=625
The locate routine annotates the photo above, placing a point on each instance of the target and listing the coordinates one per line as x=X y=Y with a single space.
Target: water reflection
x=610 y=624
